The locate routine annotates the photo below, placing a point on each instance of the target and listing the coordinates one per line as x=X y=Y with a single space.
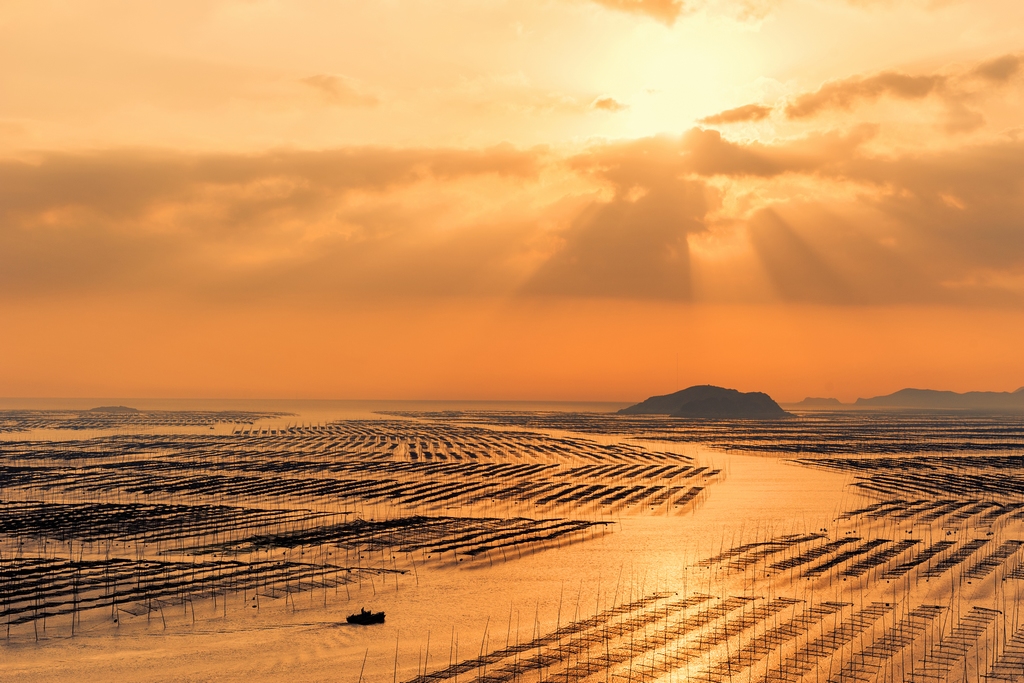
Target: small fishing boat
x=365 y=617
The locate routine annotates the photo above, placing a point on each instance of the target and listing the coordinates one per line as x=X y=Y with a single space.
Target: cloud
x=839 y=253
x=797 y=270
x=821 y=218
x=668 y=11
x=665 y=11
x=827 y=220
x=960 y=118
x=754 y=10
x=846 y=93
x=634 y=246
x=938 y=227
x=998 y=70
x=128 y=181
x=955 y=89
x=280 y=223
x=646 y=162
x=608 y=104
x=748 y=112
x=11 y=129
x=962 y=208
x=341 y=90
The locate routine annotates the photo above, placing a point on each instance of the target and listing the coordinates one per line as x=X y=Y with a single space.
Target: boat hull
x=366 y=618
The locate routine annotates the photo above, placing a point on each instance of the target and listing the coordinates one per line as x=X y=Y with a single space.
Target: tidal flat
x=508 y=544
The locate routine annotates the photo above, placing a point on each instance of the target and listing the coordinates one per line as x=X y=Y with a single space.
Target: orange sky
x=556 y=199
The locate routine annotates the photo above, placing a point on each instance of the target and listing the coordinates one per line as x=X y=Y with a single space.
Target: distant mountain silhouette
x=112 y=409
x=929 y=399
x=813 y=402
x=706 y=401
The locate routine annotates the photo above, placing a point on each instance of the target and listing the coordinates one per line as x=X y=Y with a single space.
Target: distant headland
x=924 y=399
x=929 y=399
x=711 y=402
x=812 y=402
x=112 y=409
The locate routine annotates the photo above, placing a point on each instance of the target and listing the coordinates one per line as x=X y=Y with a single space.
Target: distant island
x=112 y=409
x=707 y=401
x=814 y=402
x=929 y=399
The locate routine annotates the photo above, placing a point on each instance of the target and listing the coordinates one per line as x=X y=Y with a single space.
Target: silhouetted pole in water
x=396 y=657
x=363 y=667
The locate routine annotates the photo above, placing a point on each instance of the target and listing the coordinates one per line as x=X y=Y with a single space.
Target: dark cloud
x=748 y=112
x=665 y=11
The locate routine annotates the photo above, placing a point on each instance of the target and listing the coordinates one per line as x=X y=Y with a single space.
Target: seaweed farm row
x=824 y=433
x=148 y=478
x=226 y=530
x=407 y=465
x=24 y=420
x=850 y=557
x=992 y=477
x=443 y=440
x=720 y=638
x=382 y=440
x=268 y=512
x=878 y=597
x=56 y=592
x=919 y=579
x=38 y=582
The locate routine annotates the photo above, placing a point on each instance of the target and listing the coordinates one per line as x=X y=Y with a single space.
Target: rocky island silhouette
x=711 y=402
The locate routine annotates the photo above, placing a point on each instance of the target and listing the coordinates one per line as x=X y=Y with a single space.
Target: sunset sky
x=521 y=199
